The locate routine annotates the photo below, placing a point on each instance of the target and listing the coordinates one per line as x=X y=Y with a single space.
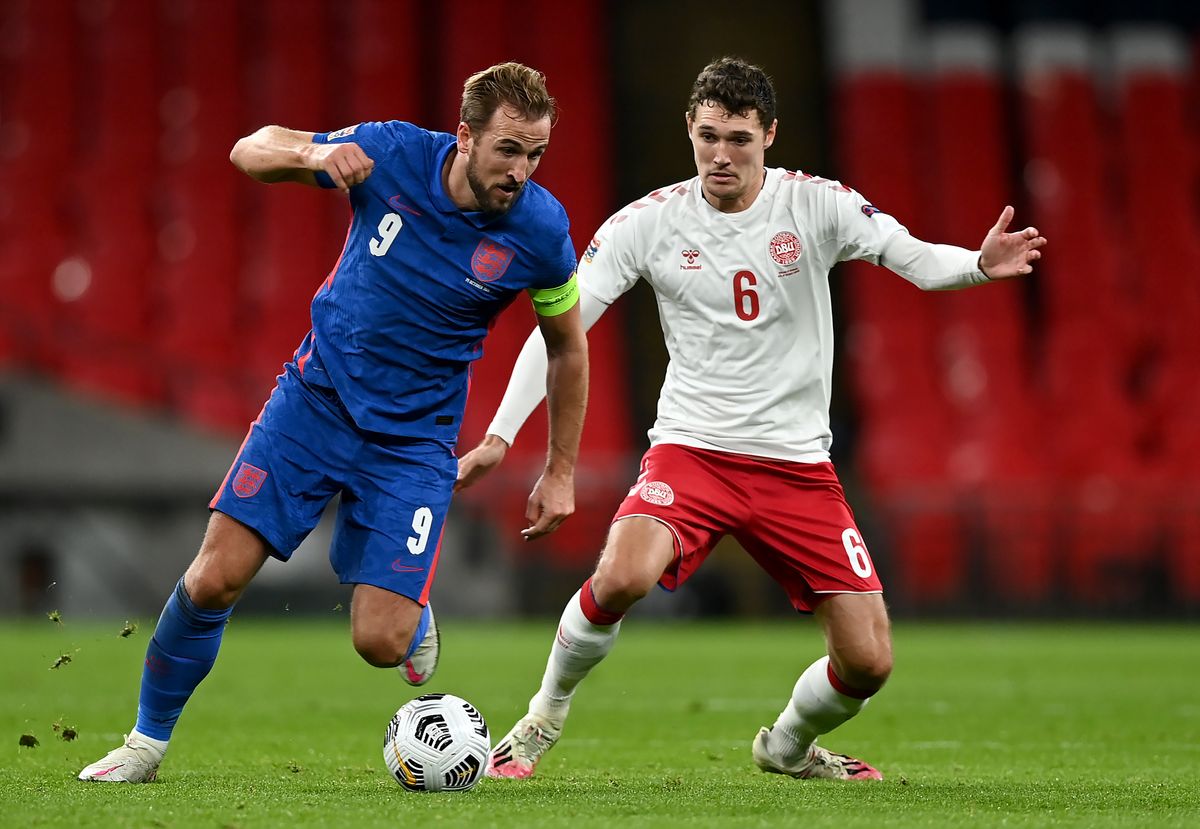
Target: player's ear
x=687 y=117
x=464 y=137
x=769 y=138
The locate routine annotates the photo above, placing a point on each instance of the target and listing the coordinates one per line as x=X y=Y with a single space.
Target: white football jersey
x=744 y=303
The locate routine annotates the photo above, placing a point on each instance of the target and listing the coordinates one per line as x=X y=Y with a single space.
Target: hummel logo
x=691 y=256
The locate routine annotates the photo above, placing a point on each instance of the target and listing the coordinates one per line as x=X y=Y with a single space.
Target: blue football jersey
x=403 y=313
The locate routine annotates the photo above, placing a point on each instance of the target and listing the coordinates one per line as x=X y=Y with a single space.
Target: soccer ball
x=437 y=743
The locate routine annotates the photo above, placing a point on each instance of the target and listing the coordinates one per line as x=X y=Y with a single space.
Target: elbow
x=239 y=155
x=572 y=354
x=235 y=155
x=246 y=152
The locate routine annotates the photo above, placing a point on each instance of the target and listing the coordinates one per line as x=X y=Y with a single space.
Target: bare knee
x=618 y=589
x=637 y=553
x=211 y=589
x=858 y=634
x=383 y=648
x=865 y=667
x=229 y=557
x=382 y=625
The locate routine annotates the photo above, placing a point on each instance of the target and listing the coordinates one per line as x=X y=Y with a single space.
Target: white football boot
x=136 y=761
x=418 y=668
x=819 y=764
x=518 y=753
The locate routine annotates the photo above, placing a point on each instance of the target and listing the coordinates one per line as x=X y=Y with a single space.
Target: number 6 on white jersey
x=860 y=562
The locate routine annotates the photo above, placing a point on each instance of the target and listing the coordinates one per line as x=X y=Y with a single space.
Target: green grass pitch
x=982 y=725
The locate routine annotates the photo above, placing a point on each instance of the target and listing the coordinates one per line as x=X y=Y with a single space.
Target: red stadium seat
x=1022 y=546
x=384 y=75
x=926 y=537
x=37 y=125
x=1067 y=176
x=295 y=231
x=199 y=318
x=107 y=325
x=1182 y=564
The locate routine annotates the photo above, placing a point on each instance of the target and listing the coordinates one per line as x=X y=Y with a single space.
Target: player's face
x=503 y=156
x=729 y=153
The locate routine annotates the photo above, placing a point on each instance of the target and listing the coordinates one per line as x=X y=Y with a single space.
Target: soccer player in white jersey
x=739 y=259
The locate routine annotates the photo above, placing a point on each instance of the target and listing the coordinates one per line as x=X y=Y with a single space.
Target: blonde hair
x=511 y=84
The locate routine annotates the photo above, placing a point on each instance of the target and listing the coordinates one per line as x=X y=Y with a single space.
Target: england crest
x=490 y=260
x=248 y=481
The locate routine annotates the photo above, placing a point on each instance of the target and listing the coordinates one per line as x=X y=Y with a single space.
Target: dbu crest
x=490 y=260
x=248 y=481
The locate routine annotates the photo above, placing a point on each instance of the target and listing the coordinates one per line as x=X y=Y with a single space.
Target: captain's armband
x=550 y=302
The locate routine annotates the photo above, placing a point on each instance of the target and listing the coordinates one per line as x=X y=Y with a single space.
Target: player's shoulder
x=539 y=211
x=540 y=221
x=659 y=205
x=818 y=195
x=398 y=135
x=811 y=186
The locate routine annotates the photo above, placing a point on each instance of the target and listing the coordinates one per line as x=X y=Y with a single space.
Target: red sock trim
x=593 y=611
x=844 y=689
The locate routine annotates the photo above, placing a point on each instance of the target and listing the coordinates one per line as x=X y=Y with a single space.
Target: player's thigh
x=292 y=462
x=680 y=506
x=803 y=533
x=638 y=550
x=858 y=633
x=388 y=531
x=230 y=555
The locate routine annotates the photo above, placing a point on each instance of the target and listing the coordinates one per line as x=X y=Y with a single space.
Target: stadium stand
x=41 y=62
x=1029 y=445
x=1063 y=399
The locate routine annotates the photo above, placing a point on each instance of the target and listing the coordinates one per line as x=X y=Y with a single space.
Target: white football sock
x=578 y=647
x=816 y=708
x=159 y=745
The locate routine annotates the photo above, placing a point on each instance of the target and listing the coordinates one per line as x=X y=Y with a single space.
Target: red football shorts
x=791 y=517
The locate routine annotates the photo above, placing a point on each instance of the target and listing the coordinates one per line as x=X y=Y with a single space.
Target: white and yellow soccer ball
x=437 y=743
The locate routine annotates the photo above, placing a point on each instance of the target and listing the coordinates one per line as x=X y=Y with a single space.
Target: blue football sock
x=181 y=653
x=422 y=629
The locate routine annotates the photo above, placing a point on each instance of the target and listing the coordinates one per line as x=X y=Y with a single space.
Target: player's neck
x=738 y=204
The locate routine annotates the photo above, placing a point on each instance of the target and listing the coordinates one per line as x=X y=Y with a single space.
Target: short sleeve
x=609 y=267
x=563 y=264
x=375 y=137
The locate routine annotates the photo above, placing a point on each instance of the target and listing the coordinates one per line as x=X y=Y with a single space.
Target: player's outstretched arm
x=553 y=498
x=272 y=154
x=1004 y=255
x=526 y=388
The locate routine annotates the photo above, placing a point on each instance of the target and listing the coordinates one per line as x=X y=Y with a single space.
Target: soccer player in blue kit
x=446 y=231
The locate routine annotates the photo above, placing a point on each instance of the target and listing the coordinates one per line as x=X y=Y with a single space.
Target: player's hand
x=346 y=164
x=480 y=461
x=551 y=503
x=1004 y=255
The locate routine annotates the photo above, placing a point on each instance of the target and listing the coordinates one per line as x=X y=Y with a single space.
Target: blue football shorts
x=302 y=450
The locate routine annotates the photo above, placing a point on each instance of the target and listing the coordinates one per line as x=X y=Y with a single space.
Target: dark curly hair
x=737 y=87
